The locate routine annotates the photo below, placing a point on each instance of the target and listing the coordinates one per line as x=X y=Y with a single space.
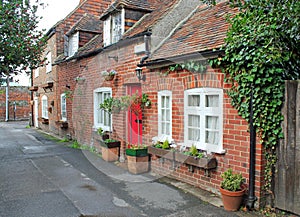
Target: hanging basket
x=109 y=77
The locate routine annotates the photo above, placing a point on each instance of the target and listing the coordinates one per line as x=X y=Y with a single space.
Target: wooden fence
x=287 y=175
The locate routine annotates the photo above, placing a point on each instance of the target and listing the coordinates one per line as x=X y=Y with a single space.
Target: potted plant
x=110 y=148
x=232 y=190
x=109 y=75
x=138 y=159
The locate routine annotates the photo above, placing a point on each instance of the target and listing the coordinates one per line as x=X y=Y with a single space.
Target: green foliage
x=65 y=139
x=192 y=66
x=194 y=151
x=75 y=145
x=261 y=51
x=231 y=182
x=165 y=145
x=100 y=131
x=110 y=140
x=21 y=44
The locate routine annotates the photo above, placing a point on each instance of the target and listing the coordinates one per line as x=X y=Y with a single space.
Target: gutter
x=147 y=49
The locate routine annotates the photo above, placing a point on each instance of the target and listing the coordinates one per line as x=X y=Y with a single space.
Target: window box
x=33 y=88
x=109 y=143
x=206 y=163
x=62 y=124
x=44 y=120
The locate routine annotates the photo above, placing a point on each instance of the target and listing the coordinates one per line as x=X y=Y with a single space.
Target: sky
x=54 y=11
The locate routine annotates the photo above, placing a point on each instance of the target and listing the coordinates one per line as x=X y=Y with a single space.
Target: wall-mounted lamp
x=139 y=73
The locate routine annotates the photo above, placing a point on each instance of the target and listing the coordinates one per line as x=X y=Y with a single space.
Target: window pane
x=212 y=122
x=212 y=137
x=194 y=121
x=168 y=126
x=194 y=100
x=167 y=102
x=168 y=115
x=163 y=115
x=194 y=127
x=212 y=101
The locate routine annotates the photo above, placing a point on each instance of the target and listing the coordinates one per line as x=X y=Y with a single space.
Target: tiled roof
x=95 y=44
x=88 y=23
x=150 y=19
x=205 y=30
x=132 y=4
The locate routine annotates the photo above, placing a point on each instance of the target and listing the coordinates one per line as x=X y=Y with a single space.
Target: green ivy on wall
x=261 y=52
x=192 y=66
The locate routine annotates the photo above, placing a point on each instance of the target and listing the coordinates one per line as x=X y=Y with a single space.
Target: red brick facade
x=80 y=77
x=19 y=103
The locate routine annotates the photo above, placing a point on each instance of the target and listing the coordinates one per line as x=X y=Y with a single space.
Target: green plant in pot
x=232 y=190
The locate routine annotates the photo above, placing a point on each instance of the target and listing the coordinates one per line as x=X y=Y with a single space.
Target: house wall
x=19 y=96
x=236 y=138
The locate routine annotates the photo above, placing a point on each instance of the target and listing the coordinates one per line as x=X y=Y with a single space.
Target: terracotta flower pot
x=232 y=199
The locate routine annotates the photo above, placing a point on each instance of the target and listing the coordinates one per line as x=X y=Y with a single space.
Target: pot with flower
x=232 y=190
x=110 y=148
x=109 y=75
x=138 y=159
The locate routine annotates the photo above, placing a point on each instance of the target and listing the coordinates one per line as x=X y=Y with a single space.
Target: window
x=165 y=114
x=36 y=72
x=49 y=63
x=73 y=44
x=101 y=118
x=114 y=28
x=63 y=106
x=203 y=119
x=45 y=107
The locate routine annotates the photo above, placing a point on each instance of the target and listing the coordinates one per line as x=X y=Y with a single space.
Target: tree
x=261 y=52
x=21 y=44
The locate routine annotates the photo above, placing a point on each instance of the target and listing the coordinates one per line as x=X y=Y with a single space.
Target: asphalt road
x=41 y=177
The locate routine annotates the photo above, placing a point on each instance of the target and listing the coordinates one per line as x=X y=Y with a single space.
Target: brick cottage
x=163 y=39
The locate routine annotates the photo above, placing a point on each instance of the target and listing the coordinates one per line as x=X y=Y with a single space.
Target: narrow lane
x=42 y=177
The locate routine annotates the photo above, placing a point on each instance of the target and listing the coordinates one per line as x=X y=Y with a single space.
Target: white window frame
x=37 y=72
x=162 y=120
x=98 y=111
x=203 y=112
x=63 y=107
x=109 y=28
x=73 y=44
x=49 y=62
x=45 y=107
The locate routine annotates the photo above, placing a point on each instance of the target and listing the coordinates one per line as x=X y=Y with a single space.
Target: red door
x=134 y=120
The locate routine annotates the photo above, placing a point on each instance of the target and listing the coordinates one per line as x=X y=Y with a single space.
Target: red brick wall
x=21 y=97
x=236 y=138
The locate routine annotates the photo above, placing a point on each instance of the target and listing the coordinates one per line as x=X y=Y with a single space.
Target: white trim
x=63 y=118
x=96 y=108
x=202 y=111
x=45 y=107
x=166 y=93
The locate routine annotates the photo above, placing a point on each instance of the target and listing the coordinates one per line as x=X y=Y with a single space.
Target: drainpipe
x=147 y=49
x=251 y=196
x=31 y=99
x=7 y=99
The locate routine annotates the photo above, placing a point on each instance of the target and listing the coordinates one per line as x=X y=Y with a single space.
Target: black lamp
x=139 y=73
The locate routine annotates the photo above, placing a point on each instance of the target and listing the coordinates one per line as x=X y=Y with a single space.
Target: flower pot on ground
x=232 y=190
x=138 y=159
x=110 y=150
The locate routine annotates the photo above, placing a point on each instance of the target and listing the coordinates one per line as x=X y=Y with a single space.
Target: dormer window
x=114 y=27
x=73 y=44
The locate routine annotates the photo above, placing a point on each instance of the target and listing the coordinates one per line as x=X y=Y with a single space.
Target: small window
x=63 y=106
x=36 y=72
x=73 y=44
x=203 y=116
x=113 y=28
x=45 y=107
x=165 y=114
x=101 y=118
x=49 y=63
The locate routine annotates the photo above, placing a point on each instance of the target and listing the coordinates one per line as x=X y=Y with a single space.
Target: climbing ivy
x=261 y=51
x=192 y=66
